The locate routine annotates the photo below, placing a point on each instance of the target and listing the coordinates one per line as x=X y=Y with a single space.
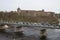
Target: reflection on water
x=30 y=31
x=32 y=34
x=52 y=34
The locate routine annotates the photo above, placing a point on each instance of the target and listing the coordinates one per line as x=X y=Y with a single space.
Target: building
x=34 y=13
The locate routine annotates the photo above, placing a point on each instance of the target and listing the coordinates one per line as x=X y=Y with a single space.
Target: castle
x=31 y=13
x=34 y=13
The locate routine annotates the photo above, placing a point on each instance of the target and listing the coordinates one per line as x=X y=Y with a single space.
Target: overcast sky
x=47 y=5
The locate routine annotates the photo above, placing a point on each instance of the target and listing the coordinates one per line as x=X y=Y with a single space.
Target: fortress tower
x=18 y=11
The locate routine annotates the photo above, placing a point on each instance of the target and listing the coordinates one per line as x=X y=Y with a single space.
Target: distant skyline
x=47 y=5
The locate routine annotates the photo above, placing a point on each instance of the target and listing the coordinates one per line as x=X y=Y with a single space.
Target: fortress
x=28 y=16
x=34 y=13
x=31 y=12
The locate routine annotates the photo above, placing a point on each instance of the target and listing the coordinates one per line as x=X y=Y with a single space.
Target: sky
x=47 y=5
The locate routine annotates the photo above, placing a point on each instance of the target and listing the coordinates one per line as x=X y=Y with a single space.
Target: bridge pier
x=43 y=34
x=18 y=31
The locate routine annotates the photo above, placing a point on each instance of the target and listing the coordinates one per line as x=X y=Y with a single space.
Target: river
x=32 y=34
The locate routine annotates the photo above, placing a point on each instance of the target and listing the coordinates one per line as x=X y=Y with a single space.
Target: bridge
x=30 y=24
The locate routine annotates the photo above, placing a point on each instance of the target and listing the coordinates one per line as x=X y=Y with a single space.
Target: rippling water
x=32 y=34
x=52 y=34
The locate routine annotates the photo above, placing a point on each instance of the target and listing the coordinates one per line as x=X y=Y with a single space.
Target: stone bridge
x=30 y=24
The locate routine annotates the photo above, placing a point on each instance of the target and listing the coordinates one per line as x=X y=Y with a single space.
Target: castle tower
x=18 y=11
x=42 y=10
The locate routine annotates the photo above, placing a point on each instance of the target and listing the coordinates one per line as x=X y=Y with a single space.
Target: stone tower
x=18 y=11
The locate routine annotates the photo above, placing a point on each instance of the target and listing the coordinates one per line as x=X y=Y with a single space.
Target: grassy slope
x=16 y=17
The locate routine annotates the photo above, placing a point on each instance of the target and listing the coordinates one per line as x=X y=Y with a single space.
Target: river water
x=32 y=34
x=52 y=34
